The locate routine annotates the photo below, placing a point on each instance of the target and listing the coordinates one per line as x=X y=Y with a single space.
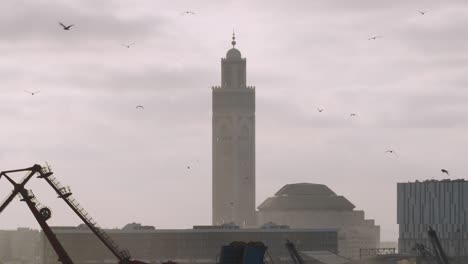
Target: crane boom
x=437 y=247
x=41 y=215
x=56 y=245
x=18 y=186
x=66 y=195
x=295 y=257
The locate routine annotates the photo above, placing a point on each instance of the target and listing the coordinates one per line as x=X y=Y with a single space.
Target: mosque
x=301 y=205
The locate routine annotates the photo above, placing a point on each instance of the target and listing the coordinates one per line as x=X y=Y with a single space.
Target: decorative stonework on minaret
x=233 y=143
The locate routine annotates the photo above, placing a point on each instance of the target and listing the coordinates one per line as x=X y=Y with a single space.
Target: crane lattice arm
x=41 y=214
x=295 y=256
x=17 y=186
x=66 y=195
x=425 y=254
x=437 y=247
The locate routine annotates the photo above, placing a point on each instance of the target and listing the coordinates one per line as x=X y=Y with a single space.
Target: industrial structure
x=307 y=205
x=42 y=213
x=233 y=143
x=441 y=205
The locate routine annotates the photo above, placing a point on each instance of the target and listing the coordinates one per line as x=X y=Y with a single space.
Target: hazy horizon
x=125 y=165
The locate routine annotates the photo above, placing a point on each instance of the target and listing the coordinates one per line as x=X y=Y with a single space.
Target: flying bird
x=320 y=110
x=352 y=114
x=32 y=93
x=444 y=171
x=140 y=106
x=188 y=167
x=188 y=13
x=390 y=151
x=65 y=27
x=422 y=12
x=128 y=46
x=374 y=37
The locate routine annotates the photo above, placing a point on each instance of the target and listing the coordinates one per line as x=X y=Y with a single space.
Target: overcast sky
x=409 y=89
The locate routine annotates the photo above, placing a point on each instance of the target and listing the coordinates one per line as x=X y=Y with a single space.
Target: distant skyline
x=407 y=89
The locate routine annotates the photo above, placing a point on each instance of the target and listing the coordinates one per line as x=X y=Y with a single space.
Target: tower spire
x=233 y=39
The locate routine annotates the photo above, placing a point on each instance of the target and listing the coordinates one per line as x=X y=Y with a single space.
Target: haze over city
x=152 y=164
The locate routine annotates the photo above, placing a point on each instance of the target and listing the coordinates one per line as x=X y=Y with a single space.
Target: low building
x=202 y=244
x=19 y=246
x=307 y=205
x=442 y=205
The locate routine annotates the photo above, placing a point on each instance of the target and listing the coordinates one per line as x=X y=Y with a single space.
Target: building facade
x=233 y=144
x=307 y=205
x=199 y=245
x=442 y=205
x=19 y=246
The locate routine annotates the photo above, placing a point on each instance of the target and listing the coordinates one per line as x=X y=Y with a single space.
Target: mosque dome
x=233 y=54
x=306 y=197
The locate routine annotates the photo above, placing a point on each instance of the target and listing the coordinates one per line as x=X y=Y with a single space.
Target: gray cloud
x=37 y=22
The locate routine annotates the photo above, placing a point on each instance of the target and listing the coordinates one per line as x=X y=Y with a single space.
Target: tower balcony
x=250 y=88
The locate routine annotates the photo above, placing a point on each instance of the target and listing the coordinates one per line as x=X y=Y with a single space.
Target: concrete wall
x=354 y=232
x=21 y=245
x=185 y=245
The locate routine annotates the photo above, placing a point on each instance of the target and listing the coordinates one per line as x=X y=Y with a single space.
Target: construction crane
x=437 y=247
x=437 y=255
x=65 y=194
x=42 y=214
x=295 y=256
x=425 y=253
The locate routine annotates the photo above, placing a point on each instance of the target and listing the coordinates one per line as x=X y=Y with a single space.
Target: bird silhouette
x=390 y=151
x=352 y=114
x=188 y=167
x=444 y=171
x=188 y=13
x=65 y=27
x=320 y=110
x=422 y=12
x=374 y=37
x=128 y=46
x=140 y=107
x=32 y=93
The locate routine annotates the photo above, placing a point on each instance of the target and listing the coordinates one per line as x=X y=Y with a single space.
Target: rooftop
x=197 y=229
x=306 y=196
x=434 y=180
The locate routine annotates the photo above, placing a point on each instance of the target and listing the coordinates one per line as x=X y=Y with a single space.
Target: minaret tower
x=233 y=143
